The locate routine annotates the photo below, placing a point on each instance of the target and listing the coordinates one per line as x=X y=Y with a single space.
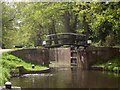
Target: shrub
x=109 y=40
x=116 y=69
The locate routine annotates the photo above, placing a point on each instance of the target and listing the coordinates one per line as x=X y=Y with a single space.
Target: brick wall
x=40 y=56
x=92 y=55
x=60 y=55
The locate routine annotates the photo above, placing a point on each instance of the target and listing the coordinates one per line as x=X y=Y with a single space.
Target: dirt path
x=4 y=50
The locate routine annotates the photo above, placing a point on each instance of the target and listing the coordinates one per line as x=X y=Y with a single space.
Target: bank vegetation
x=10 y=63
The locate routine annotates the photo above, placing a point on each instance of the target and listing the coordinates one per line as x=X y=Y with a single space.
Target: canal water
x=68 y=78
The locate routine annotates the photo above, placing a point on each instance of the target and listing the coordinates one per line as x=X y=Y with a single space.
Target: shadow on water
x=68 y=78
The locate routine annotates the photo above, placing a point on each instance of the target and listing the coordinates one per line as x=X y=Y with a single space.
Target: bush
x=109 y=40
x=112 y=65
x=116 y=69
x=5 y=75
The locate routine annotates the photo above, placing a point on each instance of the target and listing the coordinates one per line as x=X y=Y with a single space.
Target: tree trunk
x=67 y=21
x=70 y=26
x=86 y=27
x=52 y=30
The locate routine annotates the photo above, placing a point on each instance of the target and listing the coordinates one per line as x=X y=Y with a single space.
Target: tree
x=106 y=20
x=26 y=23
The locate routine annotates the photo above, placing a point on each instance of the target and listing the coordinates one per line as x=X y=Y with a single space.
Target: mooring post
x=8 y=85
x=33 y=66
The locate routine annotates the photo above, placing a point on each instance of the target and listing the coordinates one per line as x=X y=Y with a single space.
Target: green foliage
x=5 y=75
x=109 y=40
x=112 y=65
x=26 y=23
x=10 y=62
x=116 y=69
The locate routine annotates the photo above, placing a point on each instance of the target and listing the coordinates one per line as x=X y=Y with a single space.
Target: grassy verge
x=10 y=62
x=111 y=65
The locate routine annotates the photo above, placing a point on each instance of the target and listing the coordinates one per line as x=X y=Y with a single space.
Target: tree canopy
x=27 y=23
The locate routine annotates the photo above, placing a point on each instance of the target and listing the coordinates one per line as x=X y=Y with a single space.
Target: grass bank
x=9 y=62
x=111 y=65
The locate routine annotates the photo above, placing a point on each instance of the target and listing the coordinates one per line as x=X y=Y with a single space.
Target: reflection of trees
x=64 y=78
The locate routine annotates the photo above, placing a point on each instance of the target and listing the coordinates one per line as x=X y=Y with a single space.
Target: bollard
x=33 y=66
x=8 y=85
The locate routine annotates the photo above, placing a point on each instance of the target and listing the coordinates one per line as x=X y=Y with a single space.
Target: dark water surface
x=69 y=78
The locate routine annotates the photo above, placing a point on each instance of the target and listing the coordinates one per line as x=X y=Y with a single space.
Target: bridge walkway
x=65 y=39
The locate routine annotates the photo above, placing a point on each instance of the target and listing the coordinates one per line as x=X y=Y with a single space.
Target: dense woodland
x=27 y=23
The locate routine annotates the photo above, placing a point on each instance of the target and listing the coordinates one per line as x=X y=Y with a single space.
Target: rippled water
x=68 y=78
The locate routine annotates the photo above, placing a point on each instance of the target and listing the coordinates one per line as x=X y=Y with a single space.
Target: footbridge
x=65 y=39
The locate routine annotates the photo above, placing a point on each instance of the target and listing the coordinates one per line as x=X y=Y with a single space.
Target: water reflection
x=68 y=78
x=34 y=75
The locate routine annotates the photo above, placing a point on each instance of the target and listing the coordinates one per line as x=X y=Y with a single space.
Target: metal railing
x=61 y=39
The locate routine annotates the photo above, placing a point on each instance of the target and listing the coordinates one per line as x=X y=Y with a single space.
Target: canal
x=68 y=78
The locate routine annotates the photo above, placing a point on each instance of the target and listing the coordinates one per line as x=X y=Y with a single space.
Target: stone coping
x=13 y=88
x=100 y=68
x=47 y=70
x=23 y=71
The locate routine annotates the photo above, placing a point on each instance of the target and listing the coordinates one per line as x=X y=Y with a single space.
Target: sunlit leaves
x=37 y=18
